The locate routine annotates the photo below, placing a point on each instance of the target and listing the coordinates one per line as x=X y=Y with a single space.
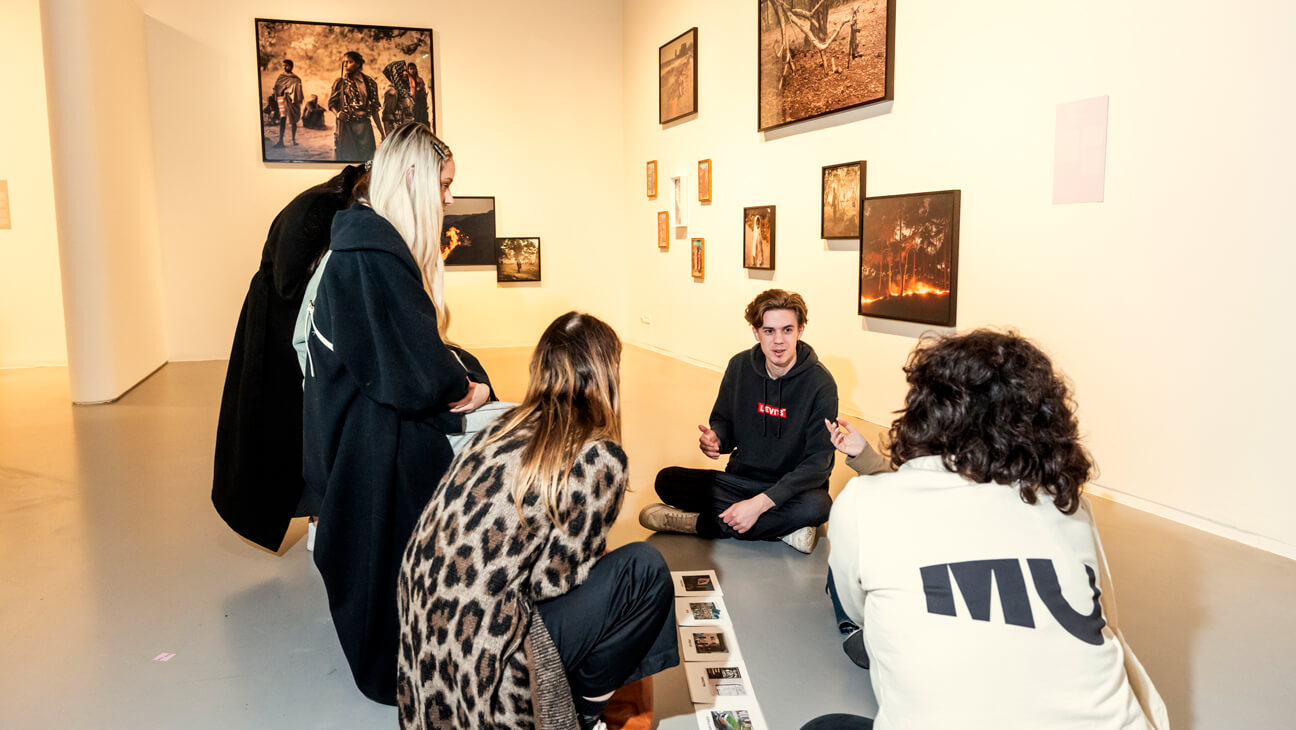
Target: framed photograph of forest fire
x=840 y=198
x=652 y=178
x=704 y=181
x=697 y=257
x=663 y=229
x=468 y=233
x=909 y=257
x=758 y=237
x=327 y=91
x=517 y=259
x=816 y=59
x=677 y=77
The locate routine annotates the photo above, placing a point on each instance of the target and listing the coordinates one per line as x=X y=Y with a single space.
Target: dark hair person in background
x=354 y=98
x=513 y=539
x=288 y=92
x=975 y=568
x=257 y=481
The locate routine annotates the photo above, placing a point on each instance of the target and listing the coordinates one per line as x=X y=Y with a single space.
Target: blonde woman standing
x=509 y=616
x=382 y=390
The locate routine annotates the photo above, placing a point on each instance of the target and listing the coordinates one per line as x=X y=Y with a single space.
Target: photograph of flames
x=468 y=234
x=909 y=257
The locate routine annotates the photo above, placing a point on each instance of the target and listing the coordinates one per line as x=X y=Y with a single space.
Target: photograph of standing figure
x=758 y=237
x=842 y=194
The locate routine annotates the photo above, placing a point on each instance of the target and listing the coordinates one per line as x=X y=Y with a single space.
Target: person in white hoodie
x=975 y=568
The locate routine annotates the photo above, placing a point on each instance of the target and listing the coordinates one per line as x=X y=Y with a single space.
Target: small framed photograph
x=908 y=265
x=652 y=178
x=663 y=229
x=709 y=682
x=697 y=259
x=696 y=583
x=701 y=611
x=707 y=643
x=841 y=196
x=704 y=181
x=758 y=237
x=468 y=232
x=732 y=714
x=518 y=259
x=679 y=201
x=677 y=66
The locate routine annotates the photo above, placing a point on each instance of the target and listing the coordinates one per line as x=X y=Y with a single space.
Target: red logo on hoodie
x=771 y=410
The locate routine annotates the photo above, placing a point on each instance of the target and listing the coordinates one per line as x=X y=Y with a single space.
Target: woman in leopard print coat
x=522 y=518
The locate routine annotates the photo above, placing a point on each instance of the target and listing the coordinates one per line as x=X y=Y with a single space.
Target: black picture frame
x=796 y=80
x=841 y=194
x=318 y=64
x=913 y=236
x=468 y=231
x=513 y=259
x=758 y=251
x=677 y=78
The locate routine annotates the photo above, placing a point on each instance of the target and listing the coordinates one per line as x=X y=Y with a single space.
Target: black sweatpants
x=710 y=492
x=618 y=626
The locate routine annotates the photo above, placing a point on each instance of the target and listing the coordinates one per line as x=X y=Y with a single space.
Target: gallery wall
x=31 y=305
x=1163 y=304
x=528 y=98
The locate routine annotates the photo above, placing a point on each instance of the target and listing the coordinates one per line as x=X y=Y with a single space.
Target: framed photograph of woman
x=704 y=181
x=677 y=76
x=758 y=237
x=697 y=258
x=652 y=178
x=840 y=199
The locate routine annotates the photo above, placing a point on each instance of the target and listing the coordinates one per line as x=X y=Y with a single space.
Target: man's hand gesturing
x=709 y=442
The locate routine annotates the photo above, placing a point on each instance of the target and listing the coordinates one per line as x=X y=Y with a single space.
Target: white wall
x=1164 y=304
x=31 y=304
x=529 y=99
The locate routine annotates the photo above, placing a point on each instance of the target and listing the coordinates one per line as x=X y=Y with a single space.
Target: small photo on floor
x=696 y=583
x=708 y=682
x=707 y=643
x=744 y=715
x=701 y=612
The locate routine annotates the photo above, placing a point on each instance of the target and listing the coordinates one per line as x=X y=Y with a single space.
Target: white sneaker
x=803 y=540
x=665 y=518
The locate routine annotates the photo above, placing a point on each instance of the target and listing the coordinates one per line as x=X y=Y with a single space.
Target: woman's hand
x=478 y=394
x=844 y=438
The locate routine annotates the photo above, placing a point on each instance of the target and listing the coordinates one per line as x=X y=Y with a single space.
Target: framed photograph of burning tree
x=518 y=259
x=908 y=261
x=468 y=234
x=816 y=59
x=841 y=194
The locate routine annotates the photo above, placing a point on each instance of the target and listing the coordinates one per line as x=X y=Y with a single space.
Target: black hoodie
x=775 y=427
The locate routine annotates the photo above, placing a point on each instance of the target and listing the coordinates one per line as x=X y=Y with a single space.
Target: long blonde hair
x=573 y=397
x=405 y=188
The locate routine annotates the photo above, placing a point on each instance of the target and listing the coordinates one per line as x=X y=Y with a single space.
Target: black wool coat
x=257 y=478
x=379 y=381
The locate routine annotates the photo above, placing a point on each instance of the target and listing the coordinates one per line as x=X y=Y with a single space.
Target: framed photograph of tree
x=704 y=181
x=758 y=237
x=816 y=57
x=908 y=261
x=652 y=178
x=468 y=232
x=518 y=259
x=663 y=229
x=697 y=257
x=841 y=194
x=677 y=77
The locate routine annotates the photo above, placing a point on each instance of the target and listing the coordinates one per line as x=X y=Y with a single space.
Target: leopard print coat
x=473 y=651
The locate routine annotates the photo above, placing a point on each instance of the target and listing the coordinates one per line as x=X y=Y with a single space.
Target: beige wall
x=529 y=99
x=1164 y=304
x=31 y=305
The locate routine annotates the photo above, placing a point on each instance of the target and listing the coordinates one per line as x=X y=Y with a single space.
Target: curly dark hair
x=990 y=404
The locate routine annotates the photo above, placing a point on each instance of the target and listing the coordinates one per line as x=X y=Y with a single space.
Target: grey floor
x=112 y=555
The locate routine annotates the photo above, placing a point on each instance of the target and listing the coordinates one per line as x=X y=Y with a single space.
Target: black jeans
x=618 y=626
x=710 y=492
x=838 y=721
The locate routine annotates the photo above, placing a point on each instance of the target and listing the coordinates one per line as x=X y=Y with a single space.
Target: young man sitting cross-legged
x=768 y=416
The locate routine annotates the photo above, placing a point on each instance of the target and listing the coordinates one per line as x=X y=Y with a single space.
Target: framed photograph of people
x=329 y=92
x=908 y=263
x=679 y=201
x=652 y=178
x=758 y=237
x=663 y=229
x=704 y=181
x=697 y=258
x=468 y=233
x=517 y=259
x=840 y=198
x=837 y=55
x=677 y=95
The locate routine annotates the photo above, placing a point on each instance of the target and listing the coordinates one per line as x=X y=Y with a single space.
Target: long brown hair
x=573 y=397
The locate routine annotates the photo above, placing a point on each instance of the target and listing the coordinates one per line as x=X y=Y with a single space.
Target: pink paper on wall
x=1080 y=151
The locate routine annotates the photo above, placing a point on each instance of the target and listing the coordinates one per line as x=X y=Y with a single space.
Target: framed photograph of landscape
x=300 y=66
x=840 y=198
x=697 y=257
x=704 y=181
x=652 y=178
x=517 y=259
x=812 y=61
x=758 y=237
x=663 y=229
x=468 y=233
x=677 y=77
x=908 y=261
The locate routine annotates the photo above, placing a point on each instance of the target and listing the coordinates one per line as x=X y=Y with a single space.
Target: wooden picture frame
x=468 y=231
x=758 y=237
x=825 y=61
x=517 y=259
x=704 y=181
x=914 y=279
x=663 y=229
x=841 y=193
x=652 y=178
x=677 y=84
x=697 y=257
